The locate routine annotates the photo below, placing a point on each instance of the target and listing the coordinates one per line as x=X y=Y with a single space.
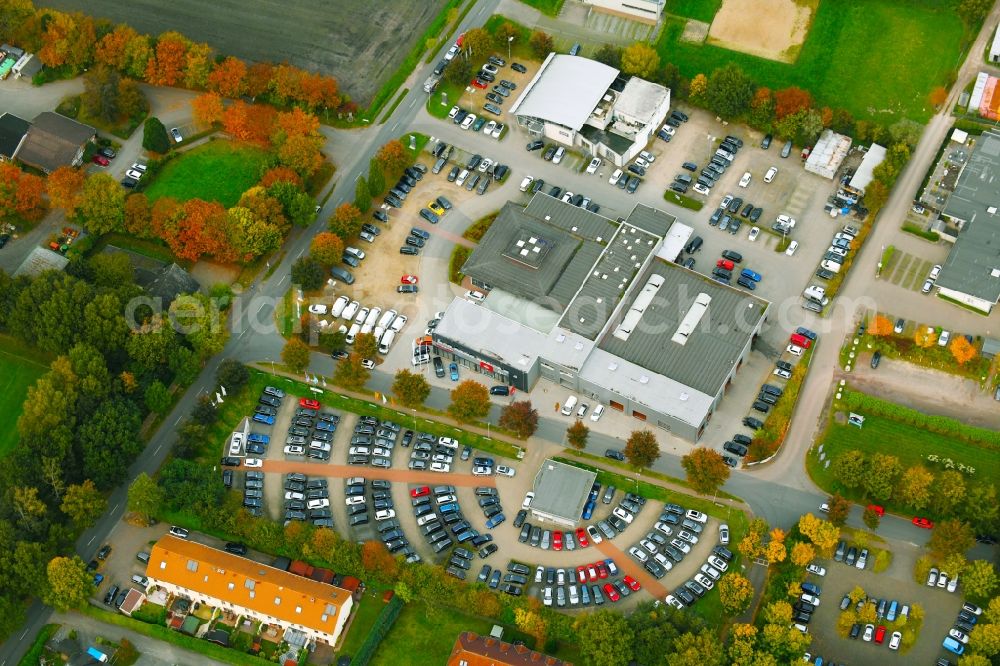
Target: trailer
x=97 y=654
x=431 y=84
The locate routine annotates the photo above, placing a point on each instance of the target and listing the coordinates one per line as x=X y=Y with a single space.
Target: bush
x=458 y=257
x=154 y=136
x=382 y=626
x=911 y=228
x=479 y=228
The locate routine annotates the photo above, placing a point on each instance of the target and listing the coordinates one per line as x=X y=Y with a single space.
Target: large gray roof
x=652 y=220
x=565 y=90
x=561 y=489
x=712 y=349
x=977 y=251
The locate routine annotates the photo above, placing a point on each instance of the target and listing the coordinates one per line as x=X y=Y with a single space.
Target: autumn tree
x=84 y=504
x=102 y=204
x=791 y=100
x=378 y=561
x=346 y=221
x=880 y=476
x=69 y=583
x=64 y=186
x=802 y=554
x=366 y=345
x=504 y=32
x=393 y=158
x=848 y=467
x=641 y=449
x=540 y=43
x=295 y=355
x=914 y=487
x=949 y=489
x=762 y=108
x=532 y=623
x=775 y=551
x=962 y=349
x=979 y=579
x=950 y=537
x=327 y=249
x=350 y=373
x=477 y=42
x=823 y=534
x=20 y=193
x=735 y=593
x=705 y=470
x=640 y=59
x=470 y=401
x=698 y=89
x=881 y=326
x=576 y=434
x=925 y=337
x=839 y=509
x=938 y=96
x=280 y=174
x=227 y=77
x=207 y=108
x=410 y=388
x=167 y=67
x=520 y=418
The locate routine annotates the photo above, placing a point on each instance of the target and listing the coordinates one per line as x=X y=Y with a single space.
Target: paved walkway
x=397 y=475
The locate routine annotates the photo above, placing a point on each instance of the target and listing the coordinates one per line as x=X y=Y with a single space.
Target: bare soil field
x=773 y=29
x=361 y=42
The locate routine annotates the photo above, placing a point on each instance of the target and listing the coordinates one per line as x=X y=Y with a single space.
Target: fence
x=382 y=626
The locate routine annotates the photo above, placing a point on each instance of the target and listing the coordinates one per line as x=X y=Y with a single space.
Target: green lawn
x=550 y=7
x=216 y=171
x=879 y=59
x=909 y=443
x=369 y=609
x=17 y=373
x=701 y=10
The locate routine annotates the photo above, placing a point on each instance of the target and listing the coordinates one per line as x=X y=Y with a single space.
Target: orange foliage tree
x=393 y=158
x=207 y=108
x=295 y=123
x=137 y=215
x=167 y=67
x=316 y=90
x=258 y=78
x=63 y=187
x=791 y=100
x=286 y=83
x=280 y=174
x=251 y=123
x=164 y=217
x=962 y=349
x=378 y=561
x=938 y=96
x=198 y=66
x=925 y=336
x=880 y=326
x=227 y=78
x=302 y=153
x=20 y=193
x=111 y=50
x=326 y=248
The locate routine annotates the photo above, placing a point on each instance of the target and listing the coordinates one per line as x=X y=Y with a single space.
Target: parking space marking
x=632 y=568
x=395 y=475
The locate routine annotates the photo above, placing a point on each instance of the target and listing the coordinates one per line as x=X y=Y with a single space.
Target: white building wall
x=646 y=10
x=967 y=299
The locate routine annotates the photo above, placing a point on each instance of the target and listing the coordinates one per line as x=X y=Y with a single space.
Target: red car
x=408 y=279
x=611 y=592
x=100 y=160
x=581 y=574
x=632 y=583
x=880 y=634
x=420 y=492
x=557 y=540
x=602 y=570
x=308 y=404
x=923 y=522
x=581 y=537
x=479 y=83
x=877 y=509
x=725 y=263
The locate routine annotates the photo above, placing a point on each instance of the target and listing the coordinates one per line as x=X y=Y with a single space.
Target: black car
x=535 y=145
x=856 y=627
x=495 y=98
x=694 y=244
x=876 y=358
x=229 y=461
x=735 y=204
x=409 y=250
x=690 y=166
x=518 y=67
x=746 y=210
x=755 y=214
x=632 y=185
x=549 y=153
x=765 y=144
x=636 y=169
x=614 y=454
x=236 y=548
x=735 y=448
x=679 y=115
x=732 y=256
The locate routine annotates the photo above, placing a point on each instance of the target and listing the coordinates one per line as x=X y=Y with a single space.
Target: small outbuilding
x=561 y=490
x=828 y=154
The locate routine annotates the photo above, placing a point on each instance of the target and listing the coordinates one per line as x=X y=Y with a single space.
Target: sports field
x=216 y=171
x=16 y=375
x=879 y=59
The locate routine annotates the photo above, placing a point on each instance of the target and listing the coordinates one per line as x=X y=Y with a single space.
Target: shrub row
x=382 y=626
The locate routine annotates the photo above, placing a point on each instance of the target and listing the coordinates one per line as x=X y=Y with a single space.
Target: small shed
x=828 y=154
x=133 y=600
x=866 y=170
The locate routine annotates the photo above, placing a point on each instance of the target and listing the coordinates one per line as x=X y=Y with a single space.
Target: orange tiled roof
x=243 y=582
x=473 y=650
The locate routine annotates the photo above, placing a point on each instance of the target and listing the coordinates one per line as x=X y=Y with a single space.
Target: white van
x=386 y=319
x=385 y=343
x=339 y=305
x=353 y=333
x=351 y=310
x=831 y=266
x=372 y=317
x=526 y=183
x=815 y=292
x=569 y=406
x=461 y=177
x=366 y=328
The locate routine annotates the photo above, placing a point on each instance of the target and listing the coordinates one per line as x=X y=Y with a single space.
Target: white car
x=527 y=500
x=675 y=602
x=135 y=175
x=794 y=350
x=354 y=499
x=317 y=308
x=440 y=467
x=639 y=162
x=429 y=518
x=690 y=537
x=139 y=167
x=504 y=470
x=701 y=189
x=869 y=633
x=368 y=363
x=935 y=271
x=816 y=569
x=292 y=495
x=704 y=581
x=595 y=535
x=718 y=563
x=771 y=173
x=475 y=296
x=497 y=131
x=615 y=176
x=385 y=514
x=959 y=635
x=745 y=180
x=398 y=323
x=786 y=220
x=454 y=111
x=526 y=183
x=781 y=372
x=596 y=414
x=810 y=599
x=594 y=165
x=944 y=338
x=490 y=126
x=452 y=52
x=176 y=133
x=318 y=503
x=711 y=571
x=696 y=516
x=895 y=640
x=682 y=546
x=482 y=470
x=668 y=130
x=351 y=310
x=469 y=119
x=638 y=553
x=355 y=252
x=253 y=462
x=648 y=156
x=726 y=200
x=754 y=232
x=723 y=534
x=623 y=515
x=293 y=450
x=663 y=528
x=792 y=247
x=450 y=442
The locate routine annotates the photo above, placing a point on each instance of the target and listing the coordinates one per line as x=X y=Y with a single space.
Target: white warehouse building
x=582 y=103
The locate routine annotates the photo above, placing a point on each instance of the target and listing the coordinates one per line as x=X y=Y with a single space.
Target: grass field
x=700 y=10
x=17 y=373
x=216 y=171
x=550 y=7
x=879 y=59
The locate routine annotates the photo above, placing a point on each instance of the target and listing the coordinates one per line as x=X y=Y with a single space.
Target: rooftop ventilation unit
x=642 y=301
x=691 y=319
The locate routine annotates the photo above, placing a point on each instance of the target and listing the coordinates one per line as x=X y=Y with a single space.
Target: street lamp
x=509 y=40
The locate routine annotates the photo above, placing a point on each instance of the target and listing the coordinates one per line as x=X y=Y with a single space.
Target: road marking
x=412 y=102
x=115 y=508
x=280 y=282
x=178 y=419
x=300 y=253
x=395 y=126
x=91 y=540
x=261 y=308
x=23 y=635
x=157 y=449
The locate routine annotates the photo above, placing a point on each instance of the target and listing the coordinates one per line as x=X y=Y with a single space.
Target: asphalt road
x=776 y=492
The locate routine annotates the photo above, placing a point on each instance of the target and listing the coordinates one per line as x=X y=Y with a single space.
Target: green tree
x=362 y=197
x=871 y=518
x=706 y=471
x=157 y=397
x=366 y=346
x=110 y=441
x=201 y=323
x=640 y=59
x=410 y=388
x=641 y=449
x=880 y=476
x=947 y=491
x=914 y=488
x=102 y=204
x=308 y=273
x=981 y=508
x=111 y=270
x=84 y=504
x=350 y=373
x=69 y=583
x=154 y=136
x=974 y=11
x=376 y=177
x=729 y=91
x=477 y=42
x=503 y=33
x=979 y=580
x=950 y=537
x=541 y=44
x=470 y=401
x=520 y=418
x=459 y=72
x=295 y=355
x=604 y=638
x=848 y=468
x=610 y=55
x=576 y=434
x=735 y=593
x=840 y=508
x=232 y=374
x=144 y=497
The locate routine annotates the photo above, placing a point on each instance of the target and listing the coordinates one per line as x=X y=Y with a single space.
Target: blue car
x=327 y=426
x=588 y=509
x=750 y=274
x=495 y=520
x=263 y=418
x=453 y=368
x=98 y=577
x=258 y=437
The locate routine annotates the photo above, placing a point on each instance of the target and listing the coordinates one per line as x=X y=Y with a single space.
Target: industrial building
x=561 y=490
x=828 y=154
x=599 y=307
x=582 y=103
x=647 y=11
x=865 y=173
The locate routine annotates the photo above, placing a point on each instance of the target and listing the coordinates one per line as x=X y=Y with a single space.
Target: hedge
x=941 y=425
x=34 y=655
x=382 y=626
x=458 y=257
x=911 y=228
x=768 y=439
